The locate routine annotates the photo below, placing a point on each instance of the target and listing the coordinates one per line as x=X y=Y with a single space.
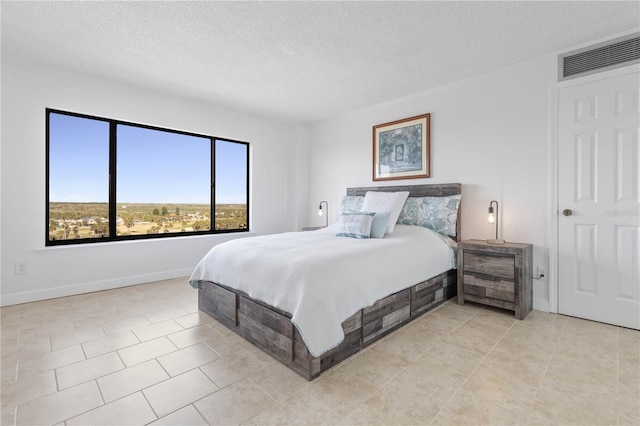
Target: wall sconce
x=325 y=212
x=493 y=218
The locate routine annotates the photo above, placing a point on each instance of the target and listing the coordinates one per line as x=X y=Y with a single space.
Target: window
x=109 y=180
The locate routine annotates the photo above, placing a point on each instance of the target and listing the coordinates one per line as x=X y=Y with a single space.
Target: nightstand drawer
x=497 y=265
x=496 y=289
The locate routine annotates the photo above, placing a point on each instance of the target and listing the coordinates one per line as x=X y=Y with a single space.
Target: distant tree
x=67 y=230
x=99 y=229
x=165 y=211
x=156 y=212
x=128 y=220
x=200 y=225
x=177 y=211
x=160 y=221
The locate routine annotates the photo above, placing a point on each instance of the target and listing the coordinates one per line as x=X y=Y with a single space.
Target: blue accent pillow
x=355 y=225
x=379 y=225
x=437 y=213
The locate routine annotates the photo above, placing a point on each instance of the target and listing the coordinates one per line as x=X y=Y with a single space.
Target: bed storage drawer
x=351 y=344
x=303 y=363
x=433 y=291
x=386 y=314
x=266 y=329
x=424 y=295
x=218 y=302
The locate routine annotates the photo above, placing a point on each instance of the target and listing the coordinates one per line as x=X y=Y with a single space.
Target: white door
x=599 y=201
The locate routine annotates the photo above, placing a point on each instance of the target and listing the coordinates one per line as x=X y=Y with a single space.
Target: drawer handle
x=488 y=277
x=487 y=254
x=491 y=278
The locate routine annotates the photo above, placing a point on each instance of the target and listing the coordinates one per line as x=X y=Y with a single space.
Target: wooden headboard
x=434 y=190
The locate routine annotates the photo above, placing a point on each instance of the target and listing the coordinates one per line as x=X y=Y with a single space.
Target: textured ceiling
x=300 y=61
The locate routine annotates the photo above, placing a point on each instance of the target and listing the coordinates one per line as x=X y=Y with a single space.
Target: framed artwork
x=401 y=149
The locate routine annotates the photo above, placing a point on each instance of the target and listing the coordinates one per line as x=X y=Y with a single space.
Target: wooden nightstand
x=496 y=274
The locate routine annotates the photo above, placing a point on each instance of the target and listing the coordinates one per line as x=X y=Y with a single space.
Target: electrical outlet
x=21 y=268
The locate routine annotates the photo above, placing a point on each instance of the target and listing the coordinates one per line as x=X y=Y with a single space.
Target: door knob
x=567 y=212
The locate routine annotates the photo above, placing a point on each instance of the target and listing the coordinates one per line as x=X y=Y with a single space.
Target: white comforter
x=321 y=279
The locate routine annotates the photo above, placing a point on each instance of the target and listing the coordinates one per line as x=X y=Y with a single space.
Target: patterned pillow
x=355 y=225
x=351 y=203
x=437 y=213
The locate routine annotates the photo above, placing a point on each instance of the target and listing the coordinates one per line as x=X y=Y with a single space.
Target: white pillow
x=392 y=202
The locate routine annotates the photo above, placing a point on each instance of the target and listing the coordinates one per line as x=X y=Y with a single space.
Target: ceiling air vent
x=601 y=57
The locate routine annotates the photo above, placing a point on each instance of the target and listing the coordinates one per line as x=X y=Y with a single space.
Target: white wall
x=489 y=133
x=279 y=156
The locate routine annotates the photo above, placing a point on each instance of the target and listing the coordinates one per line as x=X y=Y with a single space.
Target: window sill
x=222 y=237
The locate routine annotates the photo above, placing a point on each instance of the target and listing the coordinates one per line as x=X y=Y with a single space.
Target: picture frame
x=401 y=149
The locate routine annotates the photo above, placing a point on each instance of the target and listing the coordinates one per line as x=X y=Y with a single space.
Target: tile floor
x=145 y=355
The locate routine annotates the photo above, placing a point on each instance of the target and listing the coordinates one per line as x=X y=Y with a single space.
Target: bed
x=330 y=301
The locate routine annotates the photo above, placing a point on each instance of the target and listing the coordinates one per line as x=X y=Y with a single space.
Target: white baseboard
x=89 y=287
x=540 y=304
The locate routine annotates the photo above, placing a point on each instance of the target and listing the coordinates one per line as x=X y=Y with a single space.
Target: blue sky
x=152 y=166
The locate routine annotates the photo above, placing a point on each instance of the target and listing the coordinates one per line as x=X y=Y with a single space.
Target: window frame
x=112 y=197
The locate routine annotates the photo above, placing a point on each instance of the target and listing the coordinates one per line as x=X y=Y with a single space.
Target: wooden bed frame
x=271 y=329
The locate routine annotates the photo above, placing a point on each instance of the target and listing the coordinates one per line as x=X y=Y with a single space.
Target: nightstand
x=496 y=274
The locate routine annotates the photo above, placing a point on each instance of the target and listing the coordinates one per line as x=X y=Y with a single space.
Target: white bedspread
x=321 y=279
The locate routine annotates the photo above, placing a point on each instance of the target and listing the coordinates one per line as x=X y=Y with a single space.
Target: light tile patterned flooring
x=145 y=355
